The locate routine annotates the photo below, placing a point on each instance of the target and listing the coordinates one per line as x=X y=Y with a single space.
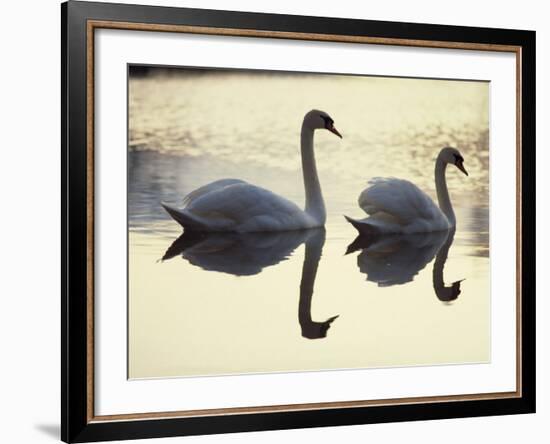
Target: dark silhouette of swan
x=314 y=250
x=444 y=293
x=247 y=254
x=238 y=254
x=395 y=259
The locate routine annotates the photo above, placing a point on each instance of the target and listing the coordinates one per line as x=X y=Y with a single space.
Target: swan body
x=233 y=205
x=399 y=206
x=238 y=206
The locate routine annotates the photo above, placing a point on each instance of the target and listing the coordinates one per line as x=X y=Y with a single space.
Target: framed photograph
x=275 y=221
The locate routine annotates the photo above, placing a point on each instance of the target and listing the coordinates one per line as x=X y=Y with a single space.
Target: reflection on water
x=314 y=248
x=223 y=304
x=444 y=293
x=395 y=259
x=240 y=254
x=247 y=254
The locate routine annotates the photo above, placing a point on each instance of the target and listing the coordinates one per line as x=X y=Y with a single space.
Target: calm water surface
x=317 y=299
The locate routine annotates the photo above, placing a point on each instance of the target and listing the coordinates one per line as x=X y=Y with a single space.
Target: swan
x=237 y=206
x=399 y=206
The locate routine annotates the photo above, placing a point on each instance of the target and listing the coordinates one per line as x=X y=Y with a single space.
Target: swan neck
x=443 y=193
x=315 y=205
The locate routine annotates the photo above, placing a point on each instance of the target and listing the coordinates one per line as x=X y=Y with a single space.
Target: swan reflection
x=314 y=250
x=247 y=254
x=396 y=259
x=443 y=293
x=239 y=254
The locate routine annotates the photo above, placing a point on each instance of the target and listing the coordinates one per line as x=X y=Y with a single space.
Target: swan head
x=316 y=119
x=452 y=156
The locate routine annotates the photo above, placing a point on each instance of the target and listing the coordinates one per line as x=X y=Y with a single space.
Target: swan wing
x=205 y=189
x=399 y=201
x=235 y=205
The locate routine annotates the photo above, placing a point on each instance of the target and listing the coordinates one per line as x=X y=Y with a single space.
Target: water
x=222 y=304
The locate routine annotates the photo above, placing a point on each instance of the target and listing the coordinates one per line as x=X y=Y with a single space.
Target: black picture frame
x=77 y=425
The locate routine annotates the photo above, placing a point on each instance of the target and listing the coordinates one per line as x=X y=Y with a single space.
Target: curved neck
x=315 y=205
x=443 y=192
x=314 y=247
x=443 y=293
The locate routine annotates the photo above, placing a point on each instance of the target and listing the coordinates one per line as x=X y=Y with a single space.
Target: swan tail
x=183 y=218
x=363 y=227
x=187 y=240
x=361 y=242
x=356 y=245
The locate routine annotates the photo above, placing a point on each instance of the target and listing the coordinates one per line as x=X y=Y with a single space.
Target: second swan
x=399 y=206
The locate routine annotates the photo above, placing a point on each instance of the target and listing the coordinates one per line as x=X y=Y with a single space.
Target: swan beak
x=334 y=131
x=460 y=166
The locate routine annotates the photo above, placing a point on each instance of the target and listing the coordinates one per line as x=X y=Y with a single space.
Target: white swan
x=237 y=206
x=399 y=206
